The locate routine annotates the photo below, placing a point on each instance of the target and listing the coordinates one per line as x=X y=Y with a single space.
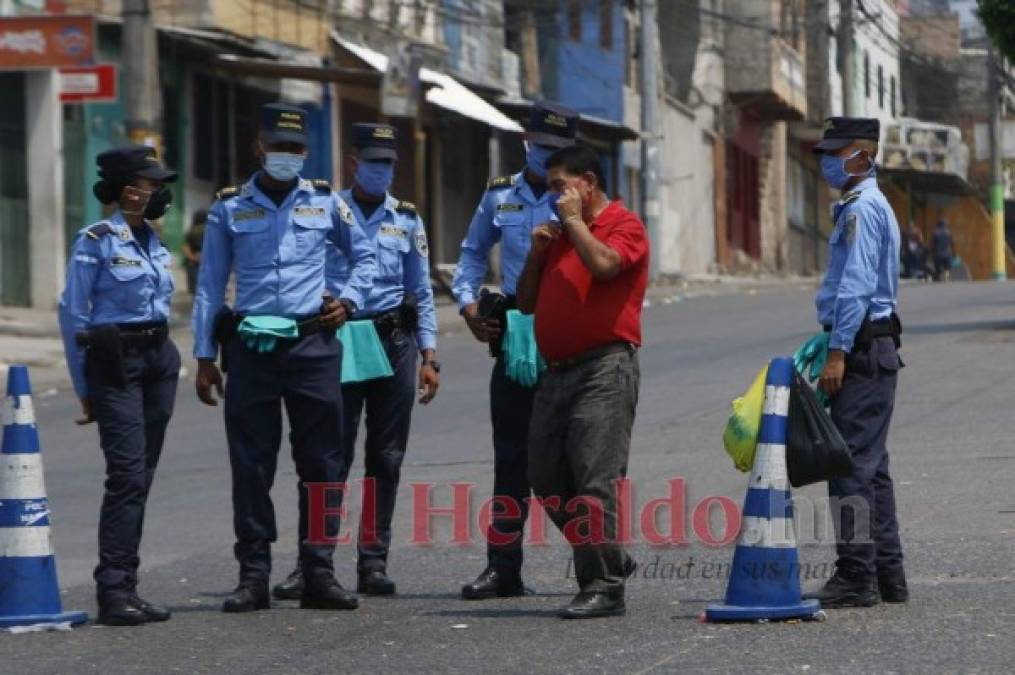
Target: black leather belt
x=138 y=334
x=585 y=357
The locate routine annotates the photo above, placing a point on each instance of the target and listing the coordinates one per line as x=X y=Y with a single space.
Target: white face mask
x=283 y=166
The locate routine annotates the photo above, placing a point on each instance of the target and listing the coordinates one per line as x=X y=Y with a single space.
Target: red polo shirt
x=574 y=312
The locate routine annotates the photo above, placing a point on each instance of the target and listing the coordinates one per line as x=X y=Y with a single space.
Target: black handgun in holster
x=493 y=306
x=105 y=352
x=409 y=314
x=223 y=331
x=869 y=330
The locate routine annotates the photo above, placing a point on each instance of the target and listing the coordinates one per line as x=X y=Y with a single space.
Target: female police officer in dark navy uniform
x=113 y=316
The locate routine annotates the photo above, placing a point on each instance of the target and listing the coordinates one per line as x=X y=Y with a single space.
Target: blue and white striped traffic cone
x=764 y=581
x=29 y=593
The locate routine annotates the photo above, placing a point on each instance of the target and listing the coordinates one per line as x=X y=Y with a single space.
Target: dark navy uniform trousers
x=867 y=530
x=132 y=423
x=304 y=375
x=388 y=402
x=510 y=412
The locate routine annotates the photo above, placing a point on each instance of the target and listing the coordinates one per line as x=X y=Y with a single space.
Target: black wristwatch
x=436 y=365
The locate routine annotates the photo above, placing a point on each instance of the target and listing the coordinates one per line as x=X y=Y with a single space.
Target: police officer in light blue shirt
x=281 y=347
x=509 y=210
x=401 y=306
x=113 y=318
x=856 y=305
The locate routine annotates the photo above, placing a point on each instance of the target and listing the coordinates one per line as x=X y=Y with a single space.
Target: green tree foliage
x=999 y=18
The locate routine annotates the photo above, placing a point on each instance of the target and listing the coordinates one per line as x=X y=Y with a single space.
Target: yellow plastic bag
x=741 y=434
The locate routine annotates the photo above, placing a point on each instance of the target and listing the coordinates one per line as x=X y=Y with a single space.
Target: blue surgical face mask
x=283 y=166
x=536 y=159
x=374 y=178
x=834 y=170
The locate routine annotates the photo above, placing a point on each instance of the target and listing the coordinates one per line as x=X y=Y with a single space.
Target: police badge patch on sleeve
x=851 y=227
x=421 y=246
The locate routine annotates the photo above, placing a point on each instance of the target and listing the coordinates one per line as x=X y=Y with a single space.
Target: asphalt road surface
x=953 y=450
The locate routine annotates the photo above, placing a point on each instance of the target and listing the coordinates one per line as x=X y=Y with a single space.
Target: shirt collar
x=387 y=207
x=865 y=184
x=524 y=190
x=250 y=190
x=122 y=227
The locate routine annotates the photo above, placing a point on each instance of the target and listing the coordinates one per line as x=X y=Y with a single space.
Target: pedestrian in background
x=281 y=347
x=401 y=306
x=944 y=250
x=509 y=210
x=585 y=280
x=856 y=305
x=191 y=248
x=113 y=318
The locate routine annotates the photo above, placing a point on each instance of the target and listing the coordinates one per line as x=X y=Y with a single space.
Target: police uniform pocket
x=888 y=358
x=390 y=253
x=253 y=243
x=308 y=233
x=131 y=289
x=514 y=227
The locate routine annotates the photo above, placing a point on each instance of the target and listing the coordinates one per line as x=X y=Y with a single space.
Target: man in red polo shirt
x=585 y=279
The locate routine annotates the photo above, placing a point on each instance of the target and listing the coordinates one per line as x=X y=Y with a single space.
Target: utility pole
x=997 y=181
x=650 y=134
x=845 y=54
x=141 y=74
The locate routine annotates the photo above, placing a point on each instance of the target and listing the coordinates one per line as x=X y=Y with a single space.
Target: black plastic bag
x=815 y=450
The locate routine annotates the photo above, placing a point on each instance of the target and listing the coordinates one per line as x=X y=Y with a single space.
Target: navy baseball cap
x=374 y=141
x=841 y=131
x=283 y=123
x=133 y=160
x=552 y=125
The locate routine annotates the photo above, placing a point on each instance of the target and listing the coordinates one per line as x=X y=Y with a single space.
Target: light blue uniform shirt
x=399 y=238
x=863 y=264
x=112 y=279
x=508 y=213
x=277 y=254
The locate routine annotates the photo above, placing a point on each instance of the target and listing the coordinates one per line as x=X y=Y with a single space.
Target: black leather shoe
x=375 y=582
x=493 y=584
x=152 y=613
x=323 y=592
x=840 y=591
x=249 y=596
x=593 y=604
x=291 y=588
x=892 y=586
x=118 y=611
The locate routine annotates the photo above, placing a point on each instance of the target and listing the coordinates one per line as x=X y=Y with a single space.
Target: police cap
x=283 y=123
x=132 y=160
x=374 y=141
x=552 y=125
x=841 y=131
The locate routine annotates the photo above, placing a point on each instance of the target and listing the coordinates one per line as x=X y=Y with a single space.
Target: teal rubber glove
x=810 y=359
x=261 y=333
x=363 y=355
x=522 y=361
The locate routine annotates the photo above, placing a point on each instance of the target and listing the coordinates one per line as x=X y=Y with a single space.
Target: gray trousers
x=579 y=440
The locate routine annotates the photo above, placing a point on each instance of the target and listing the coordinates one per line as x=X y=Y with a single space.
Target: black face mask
x=158 y=203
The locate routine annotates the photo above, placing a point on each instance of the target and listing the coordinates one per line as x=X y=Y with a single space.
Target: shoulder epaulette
x=500 y=182
x=406 y=207
x=850 y=197
x=99 y=230
x=321 y=185
x=227 y=192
